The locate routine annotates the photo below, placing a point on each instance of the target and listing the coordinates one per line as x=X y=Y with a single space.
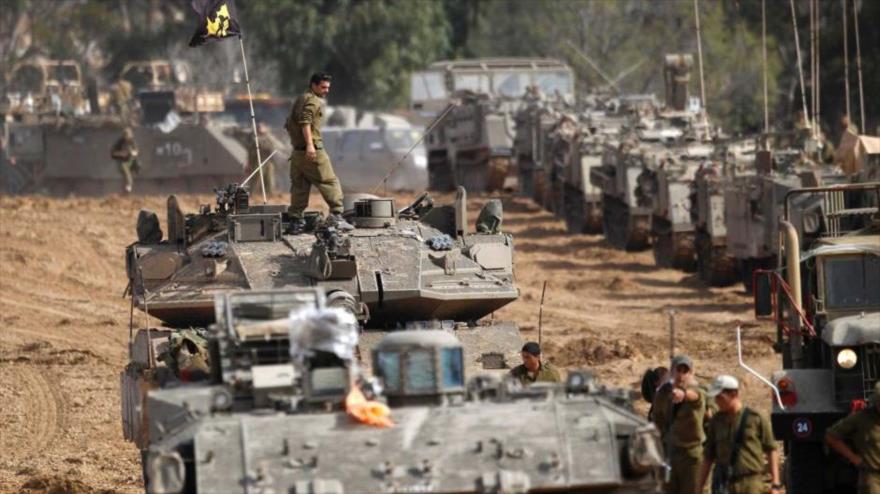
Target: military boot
x=336 y=220
x=296 y=227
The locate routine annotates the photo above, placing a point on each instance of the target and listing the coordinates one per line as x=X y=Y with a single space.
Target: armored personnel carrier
x=282 y=410
x=753 y=204
x=730 y=159
x=665 y=186
x=826 y=306
x=61 y=145
x=472 y=145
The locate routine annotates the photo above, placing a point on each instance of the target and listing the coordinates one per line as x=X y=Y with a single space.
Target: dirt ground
x=64 y=327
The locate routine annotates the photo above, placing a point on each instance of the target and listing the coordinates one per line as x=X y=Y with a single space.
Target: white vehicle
x=362 y=156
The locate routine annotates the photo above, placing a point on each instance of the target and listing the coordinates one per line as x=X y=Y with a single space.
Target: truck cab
x=825 y=301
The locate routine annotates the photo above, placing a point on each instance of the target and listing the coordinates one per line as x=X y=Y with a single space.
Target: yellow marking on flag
x=220 y=24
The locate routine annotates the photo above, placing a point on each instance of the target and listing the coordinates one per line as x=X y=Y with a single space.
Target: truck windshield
x=852 y=282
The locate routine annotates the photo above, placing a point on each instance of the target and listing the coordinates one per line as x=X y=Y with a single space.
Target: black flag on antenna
x=217 y=20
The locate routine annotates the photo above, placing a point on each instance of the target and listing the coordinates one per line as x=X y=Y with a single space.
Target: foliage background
x=371 y=46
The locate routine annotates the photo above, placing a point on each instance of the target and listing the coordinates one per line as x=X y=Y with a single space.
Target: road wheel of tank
x=714 y=266
x=637 y=233
x=805 y=468
x=684 y=256
x=16 y=179
x=440 y=175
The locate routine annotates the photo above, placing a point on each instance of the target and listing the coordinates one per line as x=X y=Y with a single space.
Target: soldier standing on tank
x=678 y=411
x=737 y=440
x=125 y=154
x=532 y=370
x=309 y=163
x=267 y=145
x=857 y=438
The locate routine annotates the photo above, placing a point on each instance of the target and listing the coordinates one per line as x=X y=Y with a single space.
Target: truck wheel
x=804 y=468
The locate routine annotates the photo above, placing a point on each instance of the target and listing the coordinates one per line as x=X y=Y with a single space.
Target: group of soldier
x=725 y=433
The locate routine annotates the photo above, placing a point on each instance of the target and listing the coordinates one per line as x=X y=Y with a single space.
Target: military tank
x=417 y=267
x=282 y=410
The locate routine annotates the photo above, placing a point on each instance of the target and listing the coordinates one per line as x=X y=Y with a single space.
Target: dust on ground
x=65 y=325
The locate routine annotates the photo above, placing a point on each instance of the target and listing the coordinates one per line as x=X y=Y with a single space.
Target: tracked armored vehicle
x=280 y=413
x=418 y=267
x=753 y=204
x=67 y=150
x=825 y=302
x=665 y=186
x=715 y=266
x=473 y=144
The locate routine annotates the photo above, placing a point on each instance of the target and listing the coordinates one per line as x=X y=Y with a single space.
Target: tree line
x=371 y=46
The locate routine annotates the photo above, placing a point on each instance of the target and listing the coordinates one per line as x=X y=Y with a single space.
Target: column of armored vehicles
x=803 y=233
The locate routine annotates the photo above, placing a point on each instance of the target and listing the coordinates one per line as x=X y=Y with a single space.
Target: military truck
x=826 y=306
x=715 y=266
x=472 y=145
x=753 y=203
x=279 y=411
x=68 y=151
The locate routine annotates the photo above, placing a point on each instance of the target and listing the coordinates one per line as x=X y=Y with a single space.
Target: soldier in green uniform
x=678 y=411
x=309 y=163
x=857 y=438
x=267 y=145
x=737 y=441
x=532 y=369
x=125 y=153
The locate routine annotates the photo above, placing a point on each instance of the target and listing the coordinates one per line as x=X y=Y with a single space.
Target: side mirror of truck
x=762 y=288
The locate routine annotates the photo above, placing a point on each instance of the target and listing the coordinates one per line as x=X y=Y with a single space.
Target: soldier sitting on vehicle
x=857 y=438
x=125 y=153
x=736 y=440
x=532 y=369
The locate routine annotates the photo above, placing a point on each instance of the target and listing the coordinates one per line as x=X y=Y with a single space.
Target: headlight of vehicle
x=847 y=358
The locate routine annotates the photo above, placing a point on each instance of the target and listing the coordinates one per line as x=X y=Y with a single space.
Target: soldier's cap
x=532 y=348
x=682 y=360
x=722 y=383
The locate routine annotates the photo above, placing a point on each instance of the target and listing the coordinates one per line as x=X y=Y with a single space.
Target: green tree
x=369 y=47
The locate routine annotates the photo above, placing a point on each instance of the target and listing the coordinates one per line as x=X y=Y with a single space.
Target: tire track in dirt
x=33 y=411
